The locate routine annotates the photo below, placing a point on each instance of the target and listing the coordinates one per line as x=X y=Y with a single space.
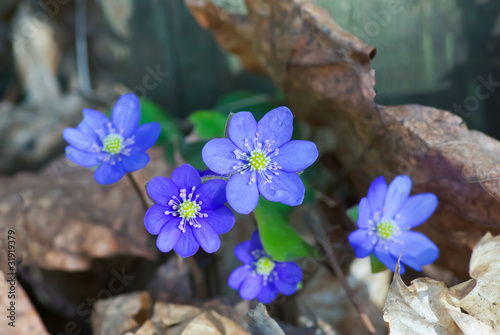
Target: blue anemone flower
x=385 y=217
x=187 y=213
x=262 y=277
x=261 y=159
x=117 y=146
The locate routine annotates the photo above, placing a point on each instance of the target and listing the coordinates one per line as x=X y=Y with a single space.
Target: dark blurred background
x=443 y=54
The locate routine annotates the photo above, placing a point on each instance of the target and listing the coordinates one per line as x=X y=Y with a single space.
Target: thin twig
x=345 y=284
x=138 y=191
x=198 y=278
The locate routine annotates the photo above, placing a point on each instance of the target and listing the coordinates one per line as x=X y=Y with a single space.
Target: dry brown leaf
x=27 y=320
x=325 y=74
x=68 y=219
x=121 y=313
x=130 y=314
x=428 y=307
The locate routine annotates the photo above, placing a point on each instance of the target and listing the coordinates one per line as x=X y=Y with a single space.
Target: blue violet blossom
x=187 y=213
x=261 y=159
x=262 y=277
x=117 y=146
x=385 y=217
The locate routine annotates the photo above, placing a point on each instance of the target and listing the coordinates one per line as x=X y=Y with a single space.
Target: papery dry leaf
x=68 y=219
x=417 y=309
x=27 y=320
x=167 y=319
x=325 y=74
x=428 y=307
x=121 y=313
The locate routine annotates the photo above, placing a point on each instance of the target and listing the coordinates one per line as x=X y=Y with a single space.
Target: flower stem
x=138 y=191
x=334 y=263
x=198 y=278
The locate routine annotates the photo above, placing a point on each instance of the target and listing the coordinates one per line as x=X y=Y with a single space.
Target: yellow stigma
x=258 y=161
x=113 y=144
x=386 y=229
x=265 y=266
x=188 y=209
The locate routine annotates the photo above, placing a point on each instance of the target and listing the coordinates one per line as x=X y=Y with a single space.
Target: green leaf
x=377 y=265
x=208 y=124
x=256 y=103
x=280 y=240
x=191 y=152
x=352 y=213
x=151 y=112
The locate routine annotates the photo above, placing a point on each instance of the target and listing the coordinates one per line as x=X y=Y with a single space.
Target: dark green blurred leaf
x=256 y=103
x=279 y=239
x=208 y=124
x=151 y=112
x=377 y=265
x=191 y=152
x=352 y=213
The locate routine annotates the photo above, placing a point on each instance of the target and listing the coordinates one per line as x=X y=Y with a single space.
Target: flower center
x=187 y=208
x=265 y=266
x=386 y=229
x=113 y=144
x=257 y=160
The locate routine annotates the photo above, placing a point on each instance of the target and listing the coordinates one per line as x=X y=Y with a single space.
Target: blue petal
x=397 y=193
x=277 y=126
x=135 y=162
x=221 y=219
x=386 y=258
x=417 y=249
x=243 y=252
x=186 y=176
x=285 y=182
x=365 y=220
x=416 y=210
x=289 y=272
x=155 y=218
x=238 y=276
x=212 y=193
x=242 y=126
x=251 y=287
x=271 y=191
x=145 y=137
x=218 y=155
x=126 y=114
x=187 y=245
x=376 y=195
x=206 y=236
x=361 y=241
x=268 y=293
x=161 y=190
x=169 y=236
x=79 y=140
x=84 y=158
x=94 y=121
x=242 y=197
x=109 y=174
x=256 y=241
x=296 y=156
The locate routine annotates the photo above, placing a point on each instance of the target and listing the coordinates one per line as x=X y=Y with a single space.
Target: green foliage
x=279 y=239
x=151 y=112
x=256 y=103
x=208 y=124
x=352 y=213
x=377 y=265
